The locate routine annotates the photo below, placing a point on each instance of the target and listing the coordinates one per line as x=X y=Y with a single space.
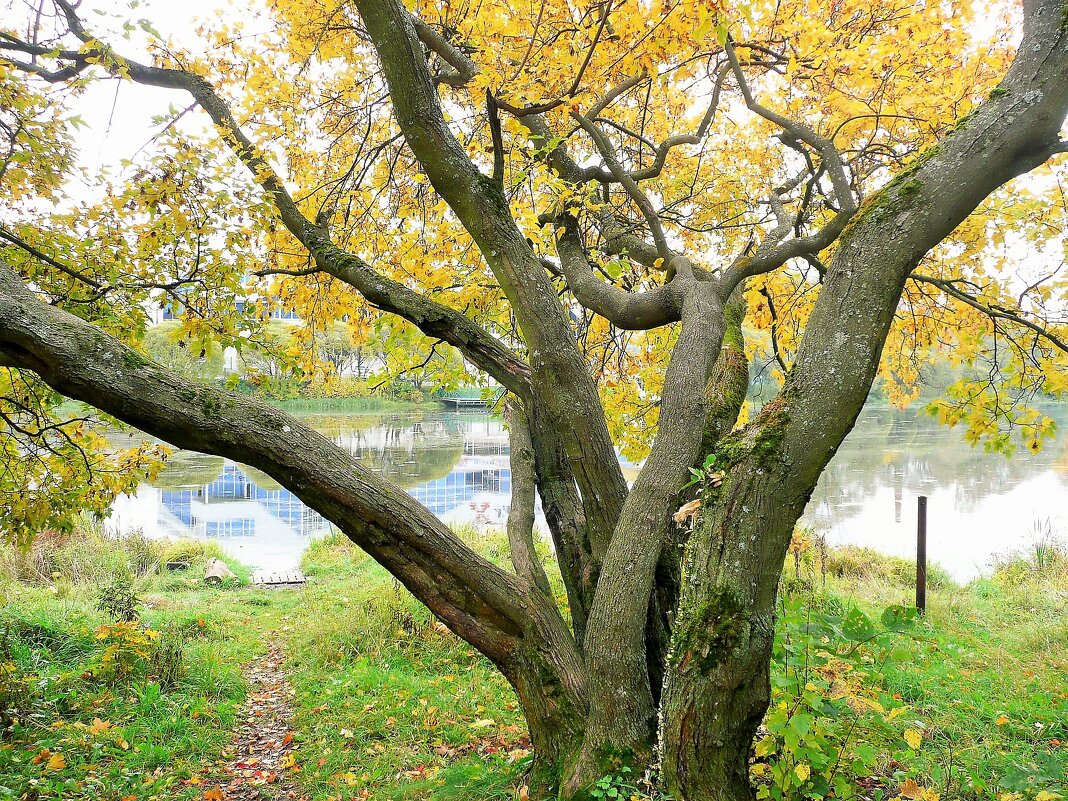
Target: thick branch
x=479 y=601
x=560 y=375
x=630 y=311
x=521 y=512
x=464 y=68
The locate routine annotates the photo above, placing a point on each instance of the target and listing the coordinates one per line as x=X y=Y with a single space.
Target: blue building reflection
x=235 y=505
x=462 y=486
x=236 y=489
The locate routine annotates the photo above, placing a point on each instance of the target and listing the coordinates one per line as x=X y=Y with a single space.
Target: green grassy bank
x=969 y=702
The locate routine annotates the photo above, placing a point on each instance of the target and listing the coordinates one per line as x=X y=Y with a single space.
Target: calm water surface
x=457 y=465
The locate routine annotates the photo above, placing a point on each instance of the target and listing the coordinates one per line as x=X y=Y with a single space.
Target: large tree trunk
x=718 y=686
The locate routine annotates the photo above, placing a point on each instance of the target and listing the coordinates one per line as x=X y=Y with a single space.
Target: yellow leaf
x=765 y=747
x=911 y=790
x=803 y=771
x=1045 y=795
x=1001 y=721
x=913 y=738
x=56 y=762
x=99 y=726
x=896 y=712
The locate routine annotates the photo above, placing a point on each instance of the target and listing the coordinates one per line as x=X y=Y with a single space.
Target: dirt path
x=257 y=766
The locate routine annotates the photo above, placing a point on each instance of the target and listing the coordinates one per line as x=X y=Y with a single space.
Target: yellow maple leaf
x=803 y=771
x=914 y=738
x=99 y=726
x=911 y=790
x=1001 y=721
x=56 y=762
x=1045 y=795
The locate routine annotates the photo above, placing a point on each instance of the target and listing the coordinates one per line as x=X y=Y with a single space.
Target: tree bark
x=725 y=393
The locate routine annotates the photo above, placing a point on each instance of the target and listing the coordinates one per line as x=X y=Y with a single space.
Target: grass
x=982 y=676
x=389 y=701
x=969 y=702
x=94 y=708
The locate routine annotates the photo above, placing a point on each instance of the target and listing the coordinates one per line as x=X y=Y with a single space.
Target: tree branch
x=635 y=192
x=825 y=147
x=521 y=511
x=992 y=311
x=627 y=310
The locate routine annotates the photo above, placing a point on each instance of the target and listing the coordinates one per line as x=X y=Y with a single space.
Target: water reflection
x=981 y=505
x=456 y=464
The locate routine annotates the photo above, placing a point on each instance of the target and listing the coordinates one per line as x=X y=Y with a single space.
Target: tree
x=586 y=204
x=176 y=354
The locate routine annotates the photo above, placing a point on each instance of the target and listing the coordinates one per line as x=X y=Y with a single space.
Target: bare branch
x=832 y=160
x=629 y=184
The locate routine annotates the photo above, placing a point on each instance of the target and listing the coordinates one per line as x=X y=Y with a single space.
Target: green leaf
x=857 y=626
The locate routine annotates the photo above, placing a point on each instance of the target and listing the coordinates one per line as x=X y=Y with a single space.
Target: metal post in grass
x=921 y=554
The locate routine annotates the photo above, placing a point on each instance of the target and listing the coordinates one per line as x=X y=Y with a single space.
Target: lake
x=456 y=464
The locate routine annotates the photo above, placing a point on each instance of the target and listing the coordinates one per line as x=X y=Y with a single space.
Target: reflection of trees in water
x=186 y=469
x=913 y=454
x=406 y=450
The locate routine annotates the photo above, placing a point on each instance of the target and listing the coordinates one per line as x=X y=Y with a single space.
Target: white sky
x=119 y=113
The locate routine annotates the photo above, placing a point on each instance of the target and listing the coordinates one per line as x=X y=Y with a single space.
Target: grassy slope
x=391 y=706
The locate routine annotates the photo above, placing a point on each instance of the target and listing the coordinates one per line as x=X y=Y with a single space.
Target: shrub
x=118 y=600
x=129 y=649
x=829 y=706
x=16 y=688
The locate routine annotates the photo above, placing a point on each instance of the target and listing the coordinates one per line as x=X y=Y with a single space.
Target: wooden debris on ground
x=218 y=572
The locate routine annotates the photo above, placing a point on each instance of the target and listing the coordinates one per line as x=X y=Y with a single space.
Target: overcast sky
x=119 y=113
